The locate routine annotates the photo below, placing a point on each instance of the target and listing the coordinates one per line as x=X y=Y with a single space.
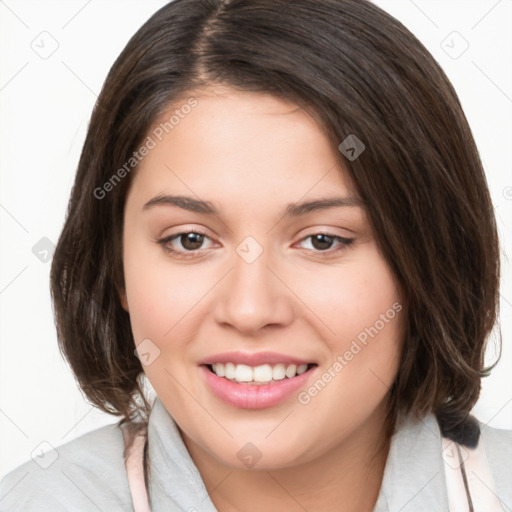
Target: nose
x=253 y=296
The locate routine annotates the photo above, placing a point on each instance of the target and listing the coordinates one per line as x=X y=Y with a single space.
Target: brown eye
x=323 y=243
x=191 y=241
x=184 y=243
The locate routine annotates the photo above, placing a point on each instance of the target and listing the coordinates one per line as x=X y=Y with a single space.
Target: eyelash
x=164 y=242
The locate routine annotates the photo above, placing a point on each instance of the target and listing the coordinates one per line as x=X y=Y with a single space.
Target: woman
x=279 y=218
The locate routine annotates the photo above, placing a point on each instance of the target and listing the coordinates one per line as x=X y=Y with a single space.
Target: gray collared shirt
x=89 y=473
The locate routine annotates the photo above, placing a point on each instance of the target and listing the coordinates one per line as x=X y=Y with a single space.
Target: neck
x=347 y=478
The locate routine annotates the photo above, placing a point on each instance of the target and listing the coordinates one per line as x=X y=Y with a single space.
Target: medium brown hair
x=358 y=71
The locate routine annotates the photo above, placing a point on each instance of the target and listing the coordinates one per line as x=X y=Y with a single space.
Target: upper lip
x=254 y=359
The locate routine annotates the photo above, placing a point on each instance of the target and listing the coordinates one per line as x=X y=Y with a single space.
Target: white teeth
x=243 y=373
x=302 y=368
x=291 y=371
x=260 y=374
x=219 y=369
x=263 y=373
x=229 y=371
x=279 y=372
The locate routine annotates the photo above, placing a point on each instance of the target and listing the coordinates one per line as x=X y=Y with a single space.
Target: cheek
x=363 y=355
x=357 y=300
x=158 y=293
x=370 y=310
x=361 y=318
x=164 y=306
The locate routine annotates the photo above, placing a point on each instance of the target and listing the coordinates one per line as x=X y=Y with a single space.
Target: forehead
x=239 y=146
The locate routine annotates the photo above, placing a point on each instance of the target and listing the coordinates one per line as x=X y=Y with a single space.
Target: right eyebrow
x=185 y=202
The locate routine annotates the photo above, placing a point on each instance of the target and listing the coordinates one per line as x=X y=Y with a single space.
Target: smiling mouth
x=258 y=375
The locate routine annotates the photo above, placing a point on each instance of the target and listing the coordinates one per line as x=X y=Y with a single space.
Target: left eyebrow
x=296 y=209
x=292 y=209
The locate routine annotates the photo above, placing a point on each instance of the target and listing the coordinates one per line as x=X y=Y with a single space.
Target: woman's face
x=285 y=296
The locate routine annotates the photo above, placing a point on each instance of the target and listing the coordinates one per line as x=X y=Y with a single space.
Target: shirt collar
x=413 y=478
x=175 y=482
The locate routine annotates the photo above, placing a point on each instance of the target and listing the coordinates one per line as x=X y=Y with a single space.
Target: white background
x=45 y=105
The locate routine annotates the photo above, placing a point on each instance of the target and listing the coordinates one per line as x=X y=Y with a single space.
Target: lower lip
x=256 y=396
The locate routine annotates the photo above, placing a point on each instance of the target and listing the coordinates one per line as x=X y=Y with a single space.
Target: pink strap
x=134 y=463
x=469 y=481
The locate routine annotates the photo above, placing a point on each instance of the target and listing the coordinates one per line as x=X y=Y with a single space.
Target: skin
x=251 y=155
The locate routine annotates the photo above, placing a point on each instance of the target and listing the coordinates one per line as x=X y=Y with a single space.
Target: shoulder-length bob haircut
x=356 y=70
